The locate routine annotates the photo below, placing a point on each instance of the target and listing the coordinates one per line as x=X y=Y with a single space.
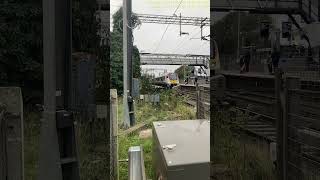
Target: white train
x=168 y=80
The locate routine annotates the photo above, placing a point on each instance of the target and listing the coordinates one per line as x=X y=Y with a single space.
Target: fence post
x=198 y=101
x=114 y=132
x=279 y=123
x=136 y=167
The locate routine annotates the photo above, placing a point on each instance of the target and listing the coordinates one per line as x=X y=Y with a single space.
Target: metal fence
x=243 y=128
x=83 y=85
x=303 y=131
x=305 y=67
x=198 y=96
x=266 y=109
x=203 y=102
x=189 y=91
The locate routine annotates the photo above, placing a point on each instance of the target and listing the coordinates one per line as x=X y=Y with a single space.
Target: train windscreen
x=173 y=76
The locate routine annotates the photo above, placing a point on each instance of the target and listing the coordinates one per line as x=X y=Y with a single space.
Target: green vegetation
x=184 y=71
x=31 y=144
x=93 y=148
x=171 y=107
x=244 y=159
x=116 y=56
x=146 y=85
x=21 y=44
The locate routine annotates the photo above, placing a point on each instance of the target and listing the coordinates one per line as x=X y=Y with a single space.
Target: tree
x=116 y=56
x=86 y=39
x=183 y=71
x=21 y=52
x=21 y=46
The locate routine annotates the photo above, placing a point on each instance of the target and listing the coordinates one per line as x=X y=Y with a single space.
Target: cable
x=188 y=41
x=166 y=29
x=161 y=39
x=183 y=40
x=178 y=7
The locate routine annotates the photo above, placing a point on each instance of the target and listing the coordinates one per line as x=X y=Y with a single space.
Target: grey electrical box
x=136 y=88
x=83 y=85
x=181 y=149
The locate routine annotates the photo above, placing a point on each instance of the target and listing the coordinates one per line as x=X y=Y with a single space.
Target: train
x=168 y=80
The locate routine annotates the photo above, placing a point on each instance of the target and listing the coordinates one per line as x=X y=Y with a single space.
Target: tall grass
x=171 y=107
x=31 y=144
x=93 y=150
x=244 y=159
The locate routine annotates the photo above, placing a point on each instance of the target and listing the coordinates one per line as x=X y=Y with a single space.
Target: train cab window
x=173 y=76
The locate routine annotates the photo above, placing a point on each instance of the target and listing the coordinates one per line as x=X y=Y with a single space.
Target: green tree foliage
x=116 y=55
x=21 y=52
x=183 y=71
x=85 y=27
x=85 y=38
x=226 y=31
x=146 y=85
x=21 y=45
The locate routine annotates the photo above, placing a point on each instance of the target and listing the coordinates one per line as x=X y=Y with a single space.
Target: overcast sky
x=147 y=37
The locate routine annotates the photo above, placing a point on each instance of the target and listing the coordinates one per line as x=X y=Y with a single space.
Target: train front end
x=173 y=79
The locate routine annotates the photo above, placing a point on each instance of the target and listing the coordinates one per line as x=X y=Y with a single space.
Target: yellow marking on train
x=173 y=81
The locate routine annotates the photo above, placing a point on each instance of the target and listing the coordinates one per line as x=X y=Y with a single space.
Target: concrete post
x=11 y=126
x=114 y=135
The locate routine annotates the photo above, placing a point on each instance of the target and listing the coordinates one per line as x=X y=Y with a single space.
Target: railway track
x=258 y=104
x=253 y=94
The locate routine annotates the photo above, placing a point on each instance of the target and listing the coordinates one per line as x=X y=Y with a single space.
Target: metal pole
x=238 y=50
x=198 y=101
x=49 y=158
x=279 y=123
x=129 y=119
x=184 y=72
x=201 y=36
x=318 y=11
x=180 y=24
x=130 y=63
x=125 y=67
x=136 y=163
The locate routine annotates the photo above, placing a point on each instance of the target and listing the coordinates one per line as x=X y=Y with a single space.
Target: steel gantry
x=174 y=59
x=174 y=19
x=308 y=9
